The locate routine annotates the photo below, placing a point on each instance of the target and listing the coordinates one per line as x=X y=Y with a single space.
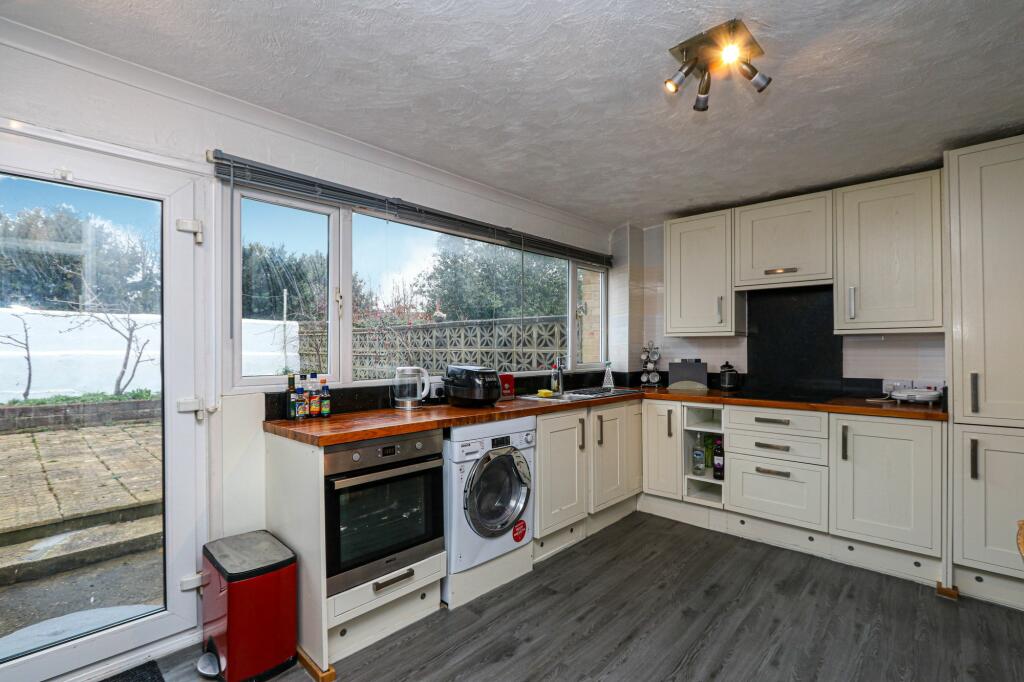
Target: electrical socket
x=934 y=384
x=890 y=385
x=436 y=388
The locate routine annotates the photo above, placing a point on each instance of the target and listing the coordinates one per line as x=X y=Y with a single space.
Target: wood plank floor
x=651 y=599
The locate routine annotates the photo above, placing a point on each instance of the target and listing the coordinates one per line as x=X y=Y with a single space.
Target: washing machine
x=488 y=490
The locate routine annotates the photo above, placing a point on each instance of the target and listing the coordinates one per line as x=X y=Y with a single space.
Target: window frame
x=574 y=364
x=335 y=359
x=339 y=318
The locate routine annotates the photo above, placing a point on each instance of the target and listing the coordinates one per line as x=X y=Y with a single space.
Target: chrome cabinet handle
x=771 y=420
x=771 y=446
x=974 y=458
x=583 y=433
x=600 y=429
x=719 y=308
x=669 y=422
x=780 y=271
x=383 y=584
x=975 y=406
x=845 y=439
x=851 y=302
x=773 y=472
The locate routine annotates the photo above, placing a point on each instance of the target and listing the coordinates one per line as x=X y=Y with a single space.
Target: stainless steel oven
x=383 y=507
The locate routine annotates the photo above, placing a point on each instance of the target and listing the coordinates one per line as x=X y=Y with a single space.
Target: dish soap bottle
x=609 y=380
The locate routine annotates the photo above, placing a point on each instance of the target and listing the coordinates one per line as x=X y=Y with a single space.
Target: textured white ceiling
x=561 y=101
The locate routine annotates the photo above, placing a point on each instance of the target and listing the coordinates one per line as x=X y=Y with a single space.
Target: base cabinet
x=634 y=448
x=988 y=501
x=608 y=466
x=563 y=444
x=662 y=447
x=886 y=481
x=777 y=490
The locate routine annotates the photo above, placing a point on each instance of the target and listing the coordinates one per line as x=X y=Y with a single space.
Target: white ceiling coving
x=562 y=102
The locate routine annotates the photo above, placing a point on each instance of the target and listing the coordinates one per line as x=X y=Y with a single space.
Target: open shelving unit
x=697 y=488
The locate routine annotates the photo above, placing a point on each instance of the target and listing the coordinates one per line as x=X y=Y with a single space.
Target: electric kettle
x=411 y=385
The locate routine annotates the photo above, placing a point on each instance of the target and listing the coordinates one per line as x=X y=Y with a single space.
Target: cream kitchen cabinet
x=885 y=481
x=787 y=242
x=634 y=448
x=609 y=466
x=663 y=448
x=988 y=471
x=889 y=256
x=563 y=448
x=699 y=299
x=986 y=209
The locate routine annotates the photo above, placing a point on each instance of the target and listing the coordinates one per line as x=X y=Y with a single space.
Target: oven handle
x=343 y=483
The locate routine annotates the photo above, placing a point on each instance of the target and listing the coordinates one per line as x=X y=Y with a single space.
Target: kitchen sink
x=581 y=394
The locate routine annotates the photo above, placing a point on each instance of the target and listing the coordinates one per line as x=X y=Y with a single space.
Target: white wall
x=58 y=85
x=625 y=299
x=893 y=356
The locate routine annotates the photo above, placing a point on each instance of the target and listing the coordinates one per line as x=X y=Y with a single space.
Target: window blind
x=246 y=173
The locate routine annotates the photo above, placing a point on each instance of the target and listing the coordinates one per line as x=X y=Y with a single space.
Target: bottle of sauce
x=325 y=399
x=314 y=401
x=719 y=461
x=291 y=396
x=301 y=405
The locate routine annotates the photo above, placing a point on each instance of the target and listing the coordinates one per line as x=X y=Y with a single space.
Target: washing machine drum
x=497 y=491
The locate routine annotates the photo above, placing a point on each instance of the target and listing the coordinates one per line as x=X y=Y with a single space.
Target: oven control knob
x=529 y=438
x=419 y=445
x=356 y=457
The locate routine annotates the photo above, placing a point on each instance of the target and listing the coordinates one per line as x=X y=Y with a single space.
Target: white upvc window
x=352 y=294
x=285 y=259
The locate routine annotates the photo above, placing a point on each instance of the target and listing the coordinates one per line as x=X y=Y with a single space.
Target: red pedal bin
x=249 y=605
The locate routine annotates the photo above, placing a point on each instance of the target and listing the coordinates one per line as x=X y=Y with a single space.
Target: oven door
x=380 y=520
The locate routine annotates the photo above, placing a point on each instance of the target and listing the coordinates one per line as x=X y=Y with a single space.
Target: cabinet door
x=698 y=275
x=886 y=481
x=788 y=241
x=889 y=255
x=561 y=470
x=634 y=448
x=988 y=471
x=608 y=472
x=986 y=200
x=663 y=454
x=779 y=491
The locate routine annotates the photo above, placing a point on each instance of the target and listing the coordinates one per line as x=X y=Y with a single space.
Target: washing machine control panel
x=516 y=440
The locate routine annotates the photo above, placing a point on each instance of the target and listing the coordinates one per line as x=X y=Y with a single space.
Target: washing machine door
x=497 y=491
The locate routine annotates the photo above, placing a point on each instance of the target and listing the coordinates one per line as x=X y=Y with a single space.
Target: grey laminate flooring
x=651 y=599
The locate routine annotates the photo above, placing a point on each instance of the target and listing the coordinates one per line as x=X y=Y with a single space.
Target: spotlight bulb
x=730 y=53
x=673 y=84
x=701 y=104
x=756 y=78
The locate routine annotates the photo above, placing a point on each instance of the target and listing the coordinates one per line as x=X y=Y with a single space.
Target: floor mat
x=147 y=672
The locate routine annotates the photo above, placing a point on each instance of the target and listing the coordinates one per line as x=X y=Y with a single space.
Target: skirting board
x=898 y=563
x=461 y=588
x=553 y=543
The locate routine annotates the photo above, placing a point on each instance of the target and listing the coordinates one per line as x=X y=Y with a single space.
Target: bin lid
x=248 y=555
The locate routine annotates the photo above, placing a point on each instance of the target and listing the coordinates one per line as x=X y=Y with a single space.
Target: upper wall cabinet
x=889 y=256
x=699 y=300
x=986 y=219
x=784 y=243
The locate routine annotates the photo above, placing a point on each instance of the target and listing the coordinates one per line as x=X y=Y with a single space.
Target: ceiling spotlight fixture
x=723 y=46
x=703 y=91
x=756 y=78
x=673 y=84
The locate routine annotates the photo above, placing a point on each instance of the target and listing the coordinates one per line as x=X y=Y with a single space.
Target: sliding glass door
x=99 y=472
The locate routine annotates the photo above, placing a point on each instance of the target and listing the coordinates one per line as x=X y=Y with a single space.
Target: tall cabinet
x=986 y=218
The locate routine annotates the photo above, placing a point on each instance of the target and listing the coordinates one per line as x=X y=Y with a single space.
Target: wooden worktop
x=349 y=427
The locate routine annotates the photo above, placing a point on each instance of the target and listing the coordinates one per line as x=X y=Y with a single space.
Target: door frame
x=186 y=190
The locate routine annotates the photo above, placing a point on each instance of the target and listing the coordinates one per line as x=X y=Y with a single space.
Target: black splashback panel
x=790 y=344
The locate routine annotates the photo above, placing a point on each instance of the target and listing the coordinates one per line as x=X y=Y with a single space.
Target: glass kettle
x=411 y=385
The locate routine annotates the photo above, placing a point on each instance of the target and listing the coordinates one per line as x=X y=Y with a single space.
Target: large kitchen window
x=397 y=294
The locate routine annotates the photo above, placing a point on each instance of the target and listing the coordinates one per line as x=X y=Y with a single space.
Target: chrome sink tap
x=560 y=363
